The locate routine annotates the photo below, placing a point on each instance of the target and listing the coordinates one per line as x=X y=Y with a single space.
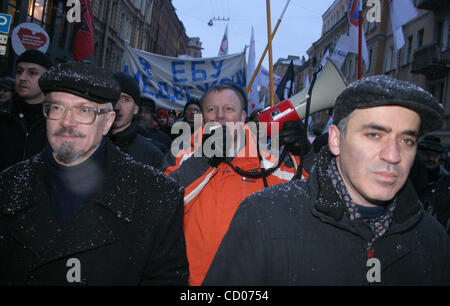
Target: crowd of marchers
x=89 y=170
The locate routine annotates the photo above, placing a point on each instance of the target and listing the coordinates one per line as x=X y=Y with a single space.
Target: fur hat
x=192 y=101
x=129 y=86
x=36 y=57
x=148 y=103
x=431 y=143
x=381 y=90
x=81 y=79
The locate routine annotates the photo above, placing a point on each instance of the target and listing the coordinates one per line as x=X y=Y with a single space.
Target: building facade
x=150 y=25
x=424 y=59
x=194 y=47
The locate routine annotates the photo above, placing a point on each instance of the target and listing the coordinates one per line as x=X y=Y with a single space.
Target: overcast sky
x=300 y=27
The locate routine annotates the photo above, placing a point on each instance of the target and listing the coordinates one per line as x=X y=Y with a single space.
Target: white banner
x=340 y=50
x=402 y=11
x=172 y=81
x=264 y=80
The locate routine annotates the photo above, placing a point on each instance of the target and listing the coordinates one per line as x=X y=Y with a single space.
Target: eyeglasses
x=81 y=114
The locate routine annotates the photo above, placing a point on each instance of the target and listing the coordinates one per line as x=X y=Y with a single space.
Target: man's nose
x=22 y=76
x=391 y=151
x=68 y=119
x=220 y=113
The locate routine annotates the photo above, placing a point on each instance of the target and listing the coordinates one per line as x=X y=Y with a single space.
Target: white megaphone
x=329 y=84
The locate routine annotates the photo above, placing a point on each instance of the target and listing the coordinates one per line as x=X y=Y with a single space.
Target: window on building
x=389 y=59
x=36 y=9
x=369 y=66
x=349 y=68
x=420 y=38
x=98 y=8
x=409 y=42
x=39 y=11
x=121 y=25
x=437 y=90
x=143 y=6
x=446 y=34
x=137 y=4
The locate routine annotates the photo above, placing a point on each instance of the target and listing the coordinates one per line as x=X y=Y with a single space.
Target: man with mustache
x=357 y=220
x=23 y=130
x=82 y=211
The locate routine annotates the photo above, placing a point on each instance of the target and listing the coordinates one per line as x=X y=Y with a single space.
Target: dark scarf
x=379 y=218
x=72 y=186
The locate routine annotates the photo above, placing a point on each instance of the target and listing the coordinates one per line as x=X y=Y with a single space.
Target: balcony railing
x=431 y=5
x=428 y=61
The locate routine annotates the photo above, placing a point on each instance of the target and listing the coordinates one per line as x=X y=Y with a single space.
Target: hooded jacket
x=129 y=232
x=299 y=233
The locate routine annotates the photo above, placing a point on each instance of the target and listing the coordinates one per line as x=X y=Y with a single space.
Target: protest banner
x=172 y=81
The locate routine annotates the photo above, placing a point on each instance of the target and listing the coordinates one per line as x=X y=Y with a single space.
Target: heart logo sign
x=29 y=36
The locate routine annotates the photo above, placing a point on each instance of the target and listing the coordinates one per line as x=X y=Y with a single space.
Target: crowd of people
x=91 y=170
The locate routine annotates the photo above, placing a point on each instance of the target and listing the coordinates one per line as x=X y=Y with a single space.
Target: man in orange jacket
x=213 y=188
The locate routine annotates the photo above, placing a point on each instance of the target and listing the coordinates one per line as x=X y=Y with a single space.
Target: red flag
x=83 y=42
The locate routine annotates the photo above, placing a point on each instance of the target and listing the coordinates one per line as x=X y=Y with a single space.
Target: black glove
x=218 y=154
x=293 y=136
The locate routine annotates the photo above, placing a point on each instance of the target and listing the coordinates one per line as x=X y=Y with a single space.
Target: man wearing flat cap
x=23 y=130
x=124 y=131
x=357 y=220
x=82 y=211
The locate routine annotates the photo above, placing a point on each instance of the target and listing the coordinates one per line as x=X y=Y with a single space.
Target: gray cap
x=381 y=90
x=81 y=79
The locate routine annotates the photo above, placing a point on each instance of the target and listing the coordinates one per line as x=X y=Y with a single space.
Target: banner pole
x=269 y=32
x=360 y=41
x=255 y=73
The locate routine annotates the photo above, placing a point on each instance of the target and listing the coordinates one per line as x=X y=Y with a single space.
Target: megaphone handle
x=298 y=174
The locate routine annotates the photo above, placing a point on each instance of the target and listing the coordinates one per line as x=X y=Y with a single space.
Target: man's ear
x=334 y=139
x=136 y=109
x=110 y=116
x=243 y=116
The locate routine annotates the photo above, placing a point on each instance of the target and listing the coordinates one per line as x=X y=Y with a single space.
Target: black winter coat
x=128 y=233
x=299 y=233
x=162 y=140
x=22 y=133
x=436 y=199
x=140 y=148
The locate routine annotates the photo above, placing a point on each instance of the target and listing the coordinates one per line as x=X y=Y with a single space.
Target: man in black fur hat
x=430 y=149
x=356 y=221
x=22 y=131
x=82 y=211
x=124 y=131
